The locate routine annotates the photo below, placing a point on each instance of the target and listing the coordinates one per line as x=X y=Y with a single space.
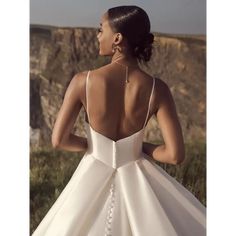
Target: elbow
x=55 y=143
x=178 y=161
x=178 y=158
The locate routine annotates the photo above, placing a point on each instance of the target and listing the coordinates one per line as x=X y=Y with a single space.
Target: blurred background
x=63 y=42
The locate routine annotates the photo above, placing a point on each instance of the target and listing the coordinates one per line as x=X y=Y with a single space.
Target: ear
x=118 y=38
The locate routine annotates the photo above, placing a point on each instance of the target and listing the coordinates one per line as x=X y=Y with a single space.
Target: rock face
x=56 y=54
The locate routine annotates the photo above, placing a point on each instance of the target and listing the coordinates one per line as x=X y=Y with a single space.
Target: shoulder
x=161 y=86
x=78 y=83
x=162 y=92
x=102 y=71
x=79 y=78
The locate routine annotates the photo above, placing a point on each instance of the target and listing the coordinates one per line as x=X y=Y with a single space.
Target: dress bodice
x=114 y=153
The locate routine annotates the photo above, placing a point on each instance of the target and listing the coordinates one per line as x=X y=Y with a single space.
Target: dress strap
x=87 y=96
x=153 y=85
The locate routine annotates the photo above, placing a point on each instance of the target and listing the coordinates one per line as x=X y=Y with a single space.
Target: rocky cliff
x=56 y=54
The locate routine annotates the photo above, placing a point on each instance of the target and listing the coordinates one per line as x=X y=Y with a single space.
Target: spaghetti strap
x=87 y=96
x=153 y=85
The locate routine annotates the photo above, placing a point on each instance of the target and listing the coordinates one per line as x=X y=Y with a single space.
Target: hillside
x=56 y=54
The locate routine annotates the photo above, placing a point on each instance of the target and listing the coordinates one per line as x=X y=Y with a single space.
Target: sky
x=166 y=16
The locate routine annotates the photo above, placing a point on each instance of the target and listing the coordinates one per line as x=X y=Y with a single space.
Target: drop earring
x=114 y=48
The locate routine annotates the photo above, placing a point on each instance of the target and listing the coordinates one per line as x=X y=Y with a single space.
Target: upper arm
x=69 y=110
x=169 y=123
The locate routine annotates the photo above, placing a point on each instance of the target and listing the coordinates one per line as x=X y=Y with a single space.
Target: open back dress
x=117 y=190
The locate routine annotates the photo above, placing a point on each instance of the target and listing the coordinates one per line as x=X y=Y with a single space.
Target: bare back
x=116 y=109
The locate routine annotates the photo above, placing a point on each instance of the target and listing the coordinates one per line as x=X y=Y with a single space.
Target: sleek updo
x=133 y=23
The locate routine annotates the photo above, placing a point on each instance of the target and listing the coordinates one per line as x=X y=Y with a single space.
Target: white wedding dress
x=118 y=190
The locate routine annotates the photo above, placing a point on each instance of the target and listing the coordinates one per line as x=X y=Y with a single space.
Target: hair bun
x=144 y=48
x=149 y=38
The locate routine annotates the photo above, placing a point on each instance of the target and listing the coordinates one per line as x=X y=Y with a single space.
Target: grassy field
x=50 y=171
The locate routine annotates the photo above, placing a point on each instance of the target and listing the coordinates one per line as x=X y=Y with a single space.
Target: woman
x=117 y=189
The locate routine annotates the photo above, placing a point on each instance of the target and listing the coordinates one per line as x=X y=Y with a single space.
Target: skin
x=162 y=104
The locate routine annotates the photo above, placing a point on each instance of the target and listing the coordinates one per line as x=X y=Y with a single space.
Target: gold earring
x=114 y=47
x=118 y=48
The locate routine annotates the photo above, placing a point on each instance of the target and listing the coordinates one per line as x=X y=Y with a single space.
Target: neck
x=124 y=59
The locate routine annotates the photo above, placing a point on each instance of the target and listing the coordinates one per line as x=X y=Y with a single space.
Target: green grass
x=51 y=170
x=192 y=172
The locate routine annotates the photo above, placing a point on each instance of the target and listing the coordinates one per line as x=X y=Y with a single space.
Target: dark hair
x=133 y=23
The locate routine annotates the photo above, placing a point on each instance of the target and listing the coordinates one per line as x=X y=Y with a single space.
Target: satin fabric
x=118 y=190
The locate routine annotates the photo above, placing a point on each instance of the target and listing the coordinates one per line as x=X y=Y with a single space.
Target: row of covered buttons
x=110 y=209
